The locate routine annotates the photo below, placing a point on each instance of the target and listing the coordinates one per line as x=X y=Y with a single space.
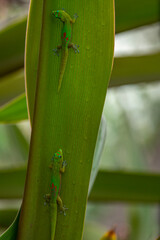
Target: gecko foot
x=56 y=52
x=75 y=48
x=64 y=210
x=64 y=164
x=47 y=198
x=51 y=165
x=75 y=16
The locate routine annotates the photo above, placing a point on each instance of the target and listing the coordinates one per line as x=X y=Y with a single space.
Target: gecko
x=57 y=167
x=66 y=40
x=110 y=235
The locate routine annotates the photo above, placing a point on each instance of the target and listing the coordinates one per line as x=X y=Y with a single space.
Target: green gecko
x=57 y=166
x=66 y=38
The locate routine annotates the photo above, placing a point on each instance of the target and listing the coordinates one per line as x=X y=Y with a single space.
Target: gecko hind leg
x=56 y=50
x=61 y=206
x=74 y=46
x=75 y=16
x=47 y=198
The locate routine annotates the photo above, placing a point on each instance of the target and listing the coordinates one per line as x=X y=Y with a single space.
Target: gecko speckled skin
x=66 y=38
x=57 y=167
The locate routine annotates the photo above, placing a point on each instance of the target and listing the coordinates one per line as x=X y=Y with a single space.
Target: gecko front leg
x=74 y=46
x=75 y=16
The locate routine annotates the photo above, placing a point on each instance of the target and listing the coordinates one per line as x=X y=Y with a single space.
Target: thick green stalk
x=69 y=119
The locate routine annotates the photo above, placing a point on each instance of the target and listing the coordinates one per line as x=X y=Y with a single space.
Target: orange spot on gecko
x=64 y=34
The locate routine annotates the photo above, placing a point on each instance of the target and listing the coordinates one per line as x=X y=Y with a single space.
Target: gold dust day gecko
x=66 y=40
x=57 y=167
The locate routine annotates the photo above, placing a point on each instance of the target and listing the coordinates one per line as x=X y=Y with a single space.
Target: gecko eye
x=60 y=156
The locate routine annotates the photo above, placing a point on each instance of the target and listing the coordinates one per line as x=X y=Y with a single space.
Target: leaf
x=126 y=187
x=135 y=13
x=14 y=111
x=12 y=185
x=69 y=119
x=12 y=182
x=12 y=39
x=11 y=232
x=109 y=186
x=11 y=86
x=20 y=145
x=98 y=152
x=135 y=69
x=7 y=216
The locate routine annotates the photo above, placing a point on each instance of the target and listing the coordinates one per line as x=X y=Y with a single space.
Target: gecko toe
x=75 y=16
x=64 y=163
x=55 y=50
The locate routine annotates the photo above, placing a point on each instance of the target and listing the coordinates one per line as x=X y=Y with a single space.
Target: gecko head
x=58 y=155
x=59 y=14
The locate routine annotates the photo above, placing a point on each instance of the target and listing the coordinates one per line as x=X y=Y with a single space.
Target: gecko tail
x=62 y=67
x=53 y=219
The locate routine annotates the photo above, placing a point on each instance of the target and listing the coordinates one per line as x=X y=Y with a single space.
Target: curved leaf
x=126 y=187
x=69 y=119
x=11 y=86
x=11 y=232
x=98 y=152
x=12 y=39
x=14 y=111
x=128 y=16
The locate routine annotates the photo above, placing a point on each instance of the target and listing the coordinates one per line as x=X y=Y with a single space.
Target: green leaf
x=123 y=186
x=126 y=70
x=11 y=232
x=20 y=145
x=126 y=187
x=14 y=111
x=135 y=13
x=7 y=216
x=98 y=152
x=69 y=119
x=132 y=70
x=12 y=182
x=11 y=86
x=12 y=39
x=127 y=16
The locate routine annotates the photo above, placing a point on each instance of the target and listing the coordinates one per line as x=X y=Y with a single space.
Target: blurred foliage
x=132 y=114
